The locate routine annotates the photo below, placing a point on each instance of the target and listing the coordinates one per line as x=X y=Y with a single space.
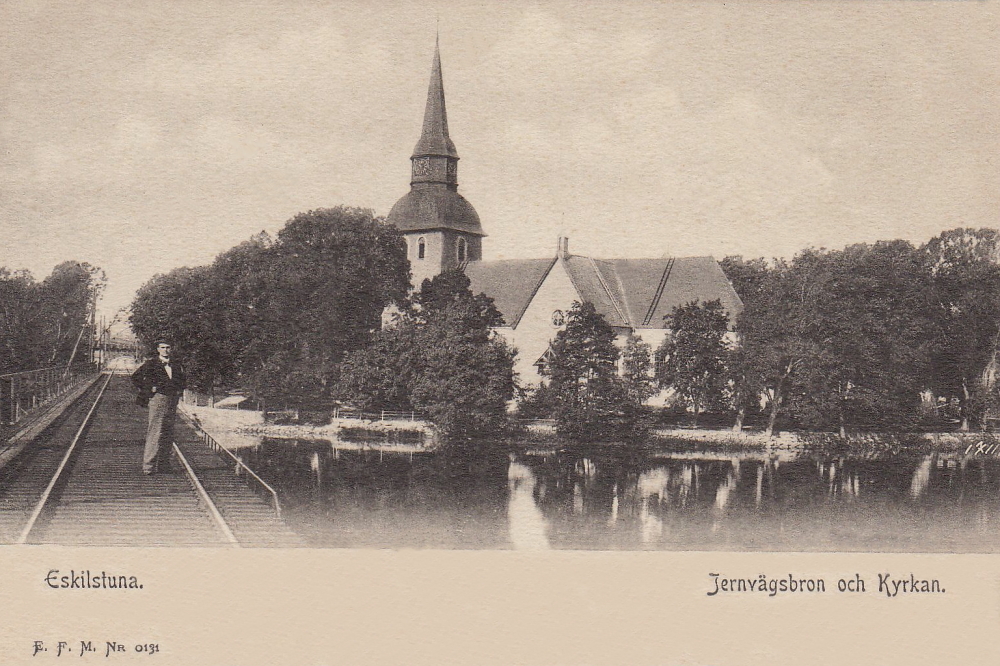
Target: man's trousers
x=159 y=436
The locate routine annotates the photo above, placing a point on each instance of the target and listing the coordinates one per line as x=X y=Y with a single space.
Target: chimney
x=562 y=247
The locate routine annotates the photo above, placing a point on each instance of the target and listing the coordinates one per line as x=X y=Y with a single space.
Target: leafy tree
x=636 y=366
x=46 y=323
x=692 y=357
x=381 y=375
x=868 y=332
x=19 y=314
x=836 y=339
x=592 y=400
x=463 y=385
x=184 y=306
x=966 y=307
x=67 y=298
x=440 y=357
x=749 y=277
x=278 y=316
x=333 y=273
x=249 y=328
x=755 y=282
x=536 y=402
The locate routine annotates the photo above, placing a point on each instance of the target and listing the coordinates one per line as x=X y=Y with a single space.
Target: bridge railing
x=243 y=470
x=22 y=393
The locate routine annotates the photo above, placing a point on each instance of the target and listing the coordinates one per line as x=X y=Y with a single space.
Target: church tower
x=441 y=228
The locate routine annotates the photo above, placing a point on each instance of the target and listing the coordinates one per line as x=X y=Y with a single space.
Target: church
x=443 y=231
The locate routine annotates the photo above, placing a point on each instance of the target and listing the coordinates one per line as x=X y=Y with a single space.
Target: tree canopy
x=277 y=316
x=42 y=323
x=837 y=339
x=592 y=402
x=692 y=358
x=440 y=357
x=965 y=304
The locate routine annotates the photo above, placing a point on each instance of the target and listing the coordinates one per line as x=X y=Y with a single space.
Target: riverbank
x=237 y=428
x=544 y=434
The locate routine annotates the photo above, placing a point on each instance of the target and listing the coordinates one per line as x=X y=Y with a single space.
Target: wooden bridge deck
x=103 y=499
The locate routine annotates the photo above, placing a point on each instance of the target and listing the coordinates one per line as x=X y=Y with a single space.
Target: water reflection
x=597 y=499
x=525 y=522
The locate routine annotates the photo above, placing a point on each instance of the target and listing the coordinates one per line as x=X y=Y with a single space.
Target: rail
x=40 y=506
x=220 y=522
x=251 y=477
x=23 y=392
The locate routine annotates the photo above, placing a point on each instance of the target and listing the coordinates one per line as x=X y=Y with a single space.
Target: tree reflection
x=483 y=497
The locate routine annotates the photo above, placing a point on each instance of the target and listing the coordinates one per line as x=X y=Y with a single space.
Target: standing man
x=160 y=381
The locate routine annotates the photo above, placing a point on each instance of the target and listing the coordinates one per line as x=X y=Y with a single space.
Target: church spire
x=441 y=228
x=434 y=139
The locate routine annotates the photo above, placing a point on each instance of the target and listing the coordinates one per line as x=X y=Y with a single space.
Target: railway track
x=80 y=483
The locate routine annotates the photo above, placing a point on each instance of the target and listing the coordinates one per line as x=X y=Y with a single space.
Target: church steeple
x=434 y=139
x=441 y=228
x=434 y=158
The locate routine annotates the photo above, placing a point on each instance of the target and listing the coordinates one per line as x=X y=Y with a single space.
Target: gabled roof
x=596 y=283
x=690 y=279
x=639 y=293
x=511 y=283
x=632 y=293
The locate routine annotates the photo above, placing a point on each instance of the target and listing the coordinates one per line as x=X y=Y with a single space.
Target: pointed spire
x=434 y=139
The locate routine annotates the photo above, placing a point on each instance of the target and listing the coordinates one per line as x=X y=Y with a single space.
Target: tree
x=440 y=357
x=332 y=274
x=835 y=338
x=965 y=281
x=592 y=400
x=692 y=357
x=249 y=328
x=749 y=277
x=866 y=337
x=67 y=298
x=754 y=281
x=636 y=366
x=382 y=374
x=278 y=316
x=185 y=307
x=45 y=323
x=19 y=314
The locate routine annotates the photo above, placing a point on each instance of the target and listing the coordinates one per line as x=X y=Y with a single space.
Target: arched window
x=463 y=250
x=420 y=248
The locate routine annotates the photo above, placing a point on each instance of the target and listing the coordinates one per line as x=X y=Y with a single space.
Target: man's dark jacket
x=151 y=373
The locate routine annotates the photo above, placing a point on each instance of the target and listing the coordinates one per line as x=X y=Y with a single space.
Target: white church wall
x=535 y=330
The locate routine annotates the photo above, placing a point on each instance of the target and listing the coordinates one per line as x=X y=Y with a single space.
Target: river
x=601 y=499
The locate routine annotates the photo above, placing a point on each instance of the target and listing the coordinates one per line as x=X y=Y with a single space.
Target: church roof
x=639 y=293
x=632 y=293
x=426 y=208
x=434 y=139
x=511 y=283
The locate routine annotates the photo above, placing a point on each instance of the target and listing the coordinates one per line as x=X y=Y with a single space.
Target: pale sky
x=145 y=136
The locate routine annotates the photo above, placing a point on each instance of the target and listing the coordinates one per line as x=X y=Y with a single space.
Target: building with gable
x=443 y=232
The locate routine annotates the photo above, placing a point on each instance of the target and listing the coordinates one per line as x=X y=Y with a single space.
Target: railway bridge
x=75 y=478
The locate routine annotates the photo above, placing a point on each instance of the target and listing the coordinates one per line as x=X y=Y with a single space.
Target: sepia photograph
x=385 y=287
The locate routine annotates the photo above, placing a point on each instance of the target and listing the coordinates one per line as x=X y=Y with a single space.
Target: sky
x=141 y=137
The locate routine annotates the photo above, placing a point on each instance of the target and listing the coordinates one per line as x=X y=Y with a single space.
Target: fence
x=384 y=415
x=338 y=413
x=530 y=422
x=21 y=393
